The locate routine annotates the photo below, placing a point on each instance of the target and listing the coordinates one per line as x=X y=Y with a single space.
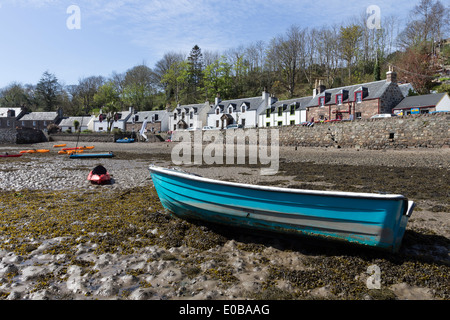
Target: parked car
x=235 y=126
x=208 y=128
x=383 y=115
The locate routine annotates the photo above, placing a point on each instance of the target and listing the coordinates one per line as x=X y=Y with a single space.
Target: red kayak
x=99 y=175
x=10 y=155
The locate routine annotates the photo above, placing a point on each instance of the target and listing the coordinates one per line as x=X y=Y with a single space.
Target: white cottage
x=68 y=123
x=284 y=112
x=191 y=116
x=243 y=111
x=101 y=125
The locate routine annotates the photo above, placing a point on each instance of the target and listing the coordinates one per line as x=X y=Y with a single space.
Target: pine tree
x=195 y=74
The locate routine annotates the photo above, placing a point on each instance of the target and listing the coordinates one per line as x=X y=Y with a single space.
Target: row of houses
x=360 y=101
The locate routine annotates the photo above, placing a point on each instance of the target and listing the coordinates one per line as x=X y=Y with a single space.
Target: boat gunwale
x=344 y=194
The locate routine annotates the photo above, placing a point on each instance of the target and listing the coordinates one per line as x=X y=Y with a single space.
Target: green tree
x=109 y=99
x=15 y=96
x=139 y=87
x=48 y=92
x=349 y=38
x=217 y=79
x=194 y=75
x=176 y=77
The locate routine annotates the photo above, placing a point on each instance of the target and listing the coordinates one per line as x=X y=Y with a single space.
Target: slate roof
x=426 y=100
x=252 y=104
x=197 y=107
x=68 y=122
x=142 y=115
x=46 y=116
x=4 y=111
x=372 y=90
x=300 y=103
x=404 y=88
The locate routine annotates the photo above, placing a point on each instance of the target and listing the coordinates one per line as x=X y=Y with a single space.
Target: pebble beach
x=62 y=238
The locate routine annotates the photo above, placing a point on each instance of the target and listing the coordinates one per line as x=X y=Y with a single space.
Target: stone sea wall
x=413 y=131
x=21 y=136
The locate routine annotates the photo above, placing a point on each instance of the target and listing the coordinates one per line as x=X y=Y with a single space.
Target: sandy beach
x=62 y=238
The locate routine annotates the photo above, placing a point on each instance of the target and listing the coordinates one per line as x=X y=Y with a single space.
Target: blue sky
x=119 y=34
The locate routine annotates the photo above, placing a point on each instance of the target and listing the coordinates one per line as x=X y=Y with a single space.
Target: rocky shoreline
x=62 y=238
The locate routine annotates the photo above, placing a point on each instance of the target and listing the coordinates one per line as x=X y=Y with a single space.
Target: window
x=280 y=111
x=217 y=111
x=230 y=110
x=358 y=96
x=280 y=123
x=156 y=117
x=243 y=122
x=292 y=110
x=358 y=115
x=267 y=124
x=217 y=123
x=243 y=109
x=174 y=116
x=292 y=122
x=321 y=101
x=174 y=127
x=34 y=123
x=191 y=115
x=339 y=98
x=268 y=113
x=182 y=115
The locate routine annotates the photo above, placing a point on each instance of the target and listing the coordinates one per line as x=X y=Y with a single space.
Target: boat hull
x=10 y=155
x=363 y=218
x=125 y=140
x=99 y=178
x=91 y=155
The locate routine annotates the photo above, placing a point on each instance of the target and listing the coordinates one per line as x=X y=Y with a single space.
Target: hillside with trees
x=287 y=66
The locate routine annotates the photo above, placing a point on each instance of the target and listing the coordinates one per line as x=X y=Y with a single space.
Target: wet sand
x=63 y=238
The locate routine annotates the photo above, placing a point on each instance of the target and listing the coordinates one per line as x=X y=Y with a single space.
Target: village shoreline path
x=232 y=267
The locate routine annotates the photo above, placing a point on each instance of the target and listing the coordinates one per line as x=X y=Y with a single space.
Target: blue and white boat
x=376 y=220
x=125 y=140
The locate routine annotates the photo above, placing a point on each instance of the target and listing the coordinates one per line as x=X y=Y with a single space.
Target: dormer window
x=243 y=108
x=339 y=98
x=358 y=96
x=321 y=101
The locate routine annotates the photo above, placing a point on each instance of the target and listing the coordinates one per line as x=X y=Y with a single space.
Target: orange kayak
x=35 y=151
x=59 y=145
x=77 y=148
x=70 y=151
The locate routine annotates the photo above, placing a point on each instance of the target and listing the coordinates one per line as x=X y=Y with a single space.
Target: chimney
x=217 y=100
x=318 y=88
x=391 y=75
x=266 y=97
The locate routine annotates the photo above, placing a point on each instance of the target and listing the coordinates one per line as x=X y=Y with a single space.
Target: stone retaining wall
x=413 y=131
x=21 y=136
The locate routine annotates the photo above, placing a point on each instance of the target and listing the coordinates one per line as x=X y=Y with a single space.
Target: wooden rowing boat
x=376 y=220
